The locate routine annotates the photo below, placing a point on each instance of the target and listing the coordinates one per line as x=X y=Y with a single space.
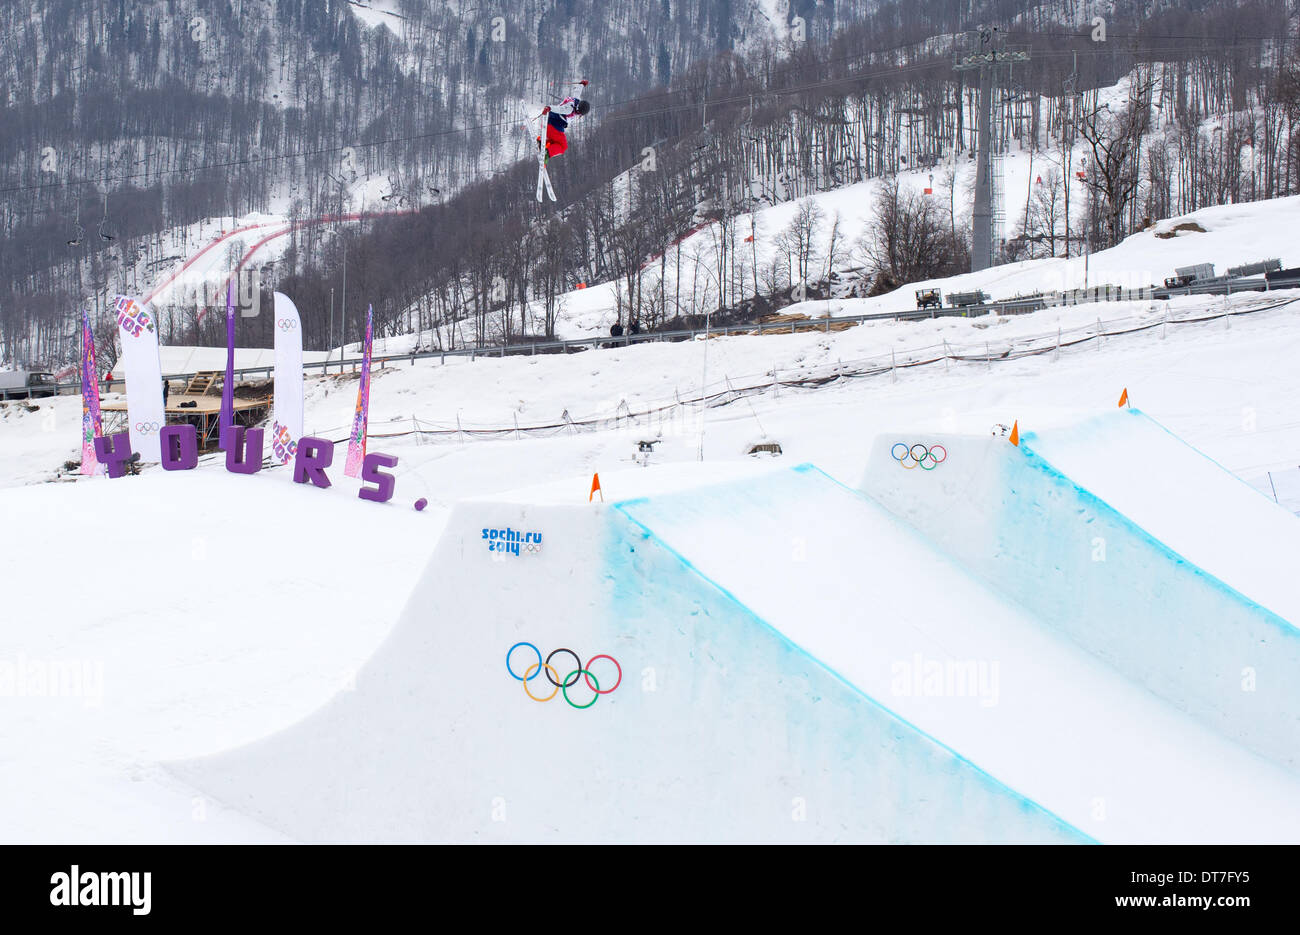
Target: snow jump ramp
x=782 y=660
x=1123 y=538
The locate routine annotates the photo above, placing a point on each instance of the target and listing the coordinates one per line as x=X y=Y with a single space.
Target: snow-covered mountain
x=312 y=112
x=909 y=579
x=150 y=690
x=129 y=120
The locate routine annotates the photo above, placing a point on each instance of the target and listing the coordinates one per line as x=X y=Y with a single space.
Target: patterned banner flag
x=227 y=418
x=138 y=332
x=361 y=418
x=91 y=425
x=287 y=427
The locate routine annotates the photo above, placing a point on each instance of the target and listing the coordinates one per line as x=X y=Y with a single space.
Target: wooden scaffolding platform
x=201 y=410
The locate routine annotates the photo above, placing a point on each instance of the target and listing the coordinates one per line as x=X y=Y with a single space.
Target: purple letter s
x=370 y=474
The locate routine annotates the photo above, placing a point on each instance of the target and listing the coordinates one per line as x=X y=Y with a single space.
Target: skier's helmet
x=581 y=108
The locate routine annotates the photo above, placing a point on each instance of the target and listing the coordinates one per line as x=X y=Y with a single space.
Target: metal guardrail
x=1016 y=306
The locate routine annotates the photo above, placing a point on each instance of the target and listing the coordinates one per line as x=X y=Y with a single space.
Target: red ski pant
x=556 y=141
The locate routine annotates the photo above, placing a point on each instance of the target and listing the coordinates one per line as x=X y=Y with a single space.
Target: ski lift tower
x=987 y=55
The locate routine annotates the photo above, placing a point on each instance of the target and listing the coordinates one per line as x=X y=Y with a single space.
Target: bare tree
x=909 y=239
x=1044 y=218
x=837 y=250
x=1114 y=141
x=549 y=272
x=799 y=239
x=106 y=351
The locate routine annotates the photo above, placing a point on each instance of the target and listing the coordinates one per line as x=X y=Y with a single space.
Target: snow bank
x=1187 y=501
x=720 y=729
x=869 y=598
x=777 y=637
x=1114 y=582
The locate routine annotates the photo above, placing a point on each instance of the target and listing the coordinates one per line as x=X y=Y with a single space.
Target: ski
x=541 y=156
x=543 y=177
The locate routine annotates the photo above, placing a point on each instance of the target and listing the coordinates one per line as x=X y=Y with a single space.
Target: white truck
x=26 y=384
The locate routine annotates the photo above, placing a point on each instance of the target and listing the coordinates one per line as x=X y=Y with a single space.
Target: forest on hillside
x=677 y=141
x=122 y=120
x=1209 y=116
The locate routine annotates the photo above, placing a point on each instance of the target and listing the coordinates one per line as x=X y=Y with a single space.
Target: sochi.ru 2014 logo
x=511 y=541
x=562 y=685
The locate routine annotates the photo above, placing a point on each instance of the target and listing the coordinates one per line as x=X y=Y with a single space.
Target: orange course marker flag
x=1123 y=397
x=1015 y=433
x=595 y=487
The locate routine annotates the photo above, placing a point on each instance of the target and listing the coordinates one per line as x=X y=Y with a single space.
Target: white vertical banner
x=138 y=330
x=287 y=424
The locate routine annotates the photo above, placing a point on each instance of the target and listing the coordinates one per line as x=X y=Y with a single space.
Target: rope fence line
x=431 y=431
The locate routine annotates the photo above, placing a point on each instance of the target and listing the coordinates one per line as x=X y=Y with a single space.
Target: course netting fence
x=668 y=413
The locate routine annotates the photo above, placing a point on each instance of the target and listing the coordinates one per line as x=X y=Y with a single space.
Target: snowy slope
x=714 y=728
x=180 y=677
x=1234 y=234
x=688 y=598
x=879 y=605
x=1185 y=500
x=1107 y=581
x=172 y=662
x=1228 y=378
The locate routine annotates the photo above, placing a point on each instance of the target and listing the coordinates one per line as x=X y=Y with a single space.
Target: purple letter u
x=244 y=458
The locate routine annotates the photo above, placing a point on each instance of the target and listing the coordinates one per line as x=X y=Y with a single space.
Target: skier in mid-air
x=557 y=122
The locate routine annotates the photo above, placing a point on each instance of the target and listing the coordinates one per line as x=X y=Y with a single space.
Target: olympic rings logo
x=146 y=427
x=928 y=457
x=286 y=324
x=562 y=686
x=533 y=547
